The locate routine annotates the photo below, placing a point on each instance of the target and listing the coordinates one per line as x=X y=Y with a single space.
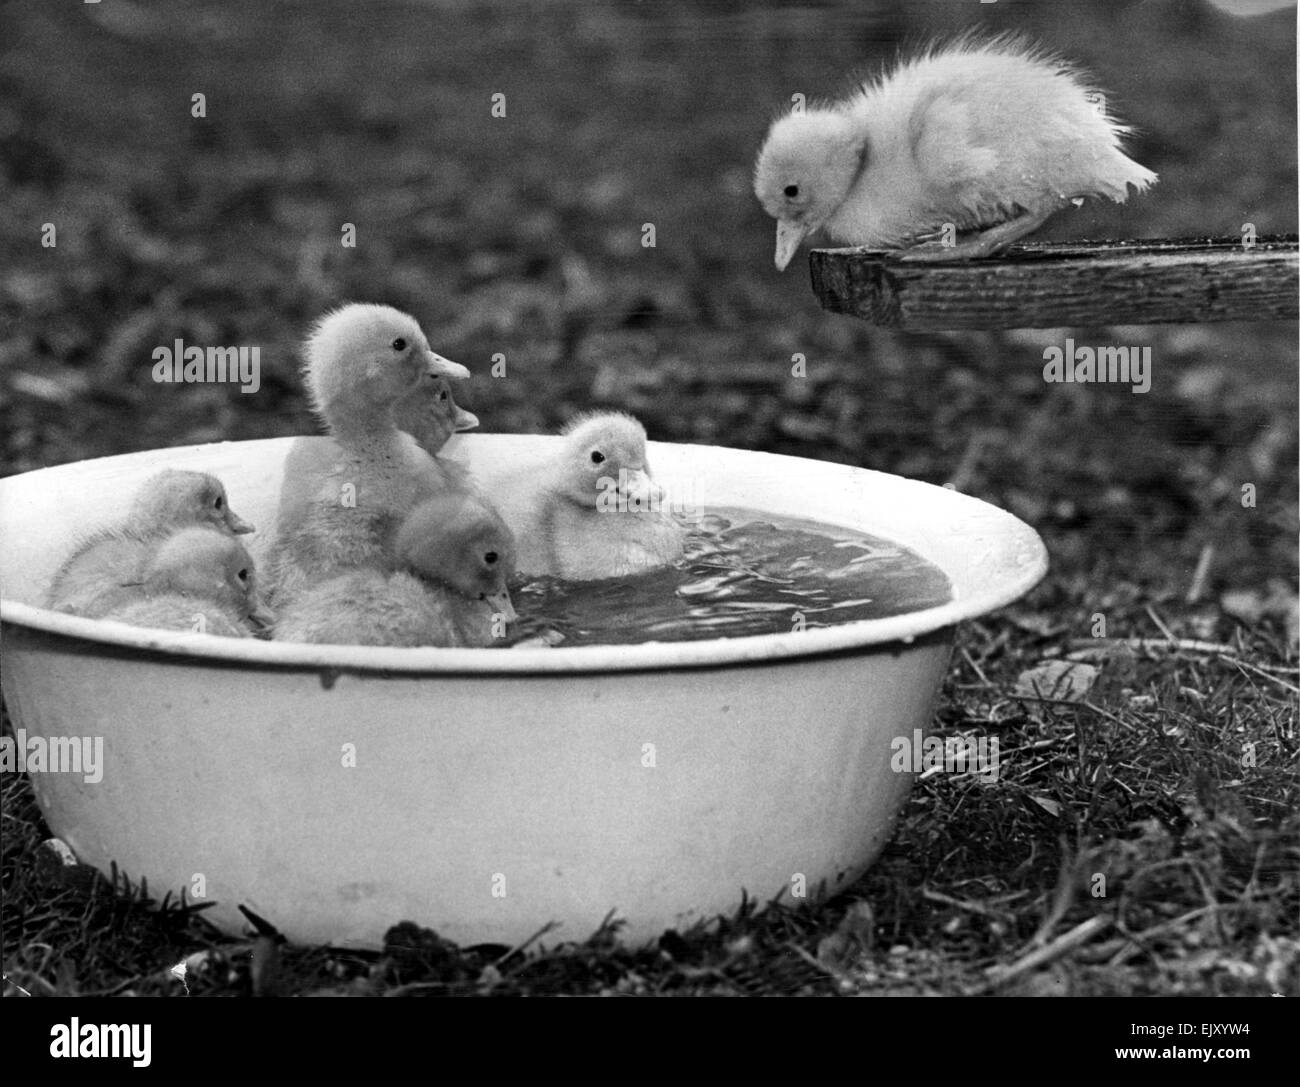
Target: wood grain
x=1050 y=285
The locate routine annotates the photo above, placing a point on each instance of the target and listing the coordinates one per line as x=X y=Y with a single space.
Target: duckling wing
x=952 y=144
x=329 y=526
x=998 y=132
x=99 y=575
x=931 y=159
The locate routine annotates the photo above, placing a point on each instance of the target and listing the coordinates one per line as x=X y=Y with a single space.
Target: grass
x=522 y=236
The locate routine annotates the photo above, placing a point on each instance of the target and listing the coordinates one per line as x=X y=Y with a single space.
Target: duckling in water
x=341 y=503
x=461 y=556
x=196 y=578
x=592 y=509
x=990 y=137
x=166 y=501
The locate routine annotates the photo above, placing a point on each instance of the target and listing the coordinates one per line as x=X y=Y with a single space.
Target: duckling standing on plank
x=362 y=362
x=987 y=138
x=461 y=556
x=164 y=502
x=591 y=510
x=196 y=579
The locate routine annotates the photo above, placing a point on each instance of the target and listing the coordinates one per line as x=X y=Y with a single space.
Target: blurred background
x=522 y=236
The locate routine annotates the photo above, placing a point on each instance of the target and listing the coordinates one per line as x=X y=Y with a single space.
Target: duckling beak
x=237 y=524
x=788 y=236
x=465 y=420
x=445 y=367
x=501 y=605
x=641 y=489
x=262 y=615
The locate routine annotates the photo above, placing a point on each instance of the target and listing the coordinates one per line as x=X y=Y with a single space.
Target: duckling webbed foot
x=984 y=243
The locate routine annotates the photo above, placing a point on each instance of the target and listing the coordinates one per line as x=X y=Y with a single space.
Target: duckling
x=164 y=502
x=990 y=137
x=361 y=359
x=195 y=570
x=591 y=510
x=174 y=497
x=199 y=581
x=460 y=556
x=361 y=363
x=432 y=415
x=462 y=547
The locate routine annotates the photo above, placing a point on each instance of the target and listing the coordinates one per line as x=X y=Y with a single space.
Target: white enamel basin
x=484 y=792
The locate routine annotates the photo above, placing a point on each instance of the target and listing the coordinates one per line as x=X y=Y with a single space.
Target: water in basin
x=745 y=572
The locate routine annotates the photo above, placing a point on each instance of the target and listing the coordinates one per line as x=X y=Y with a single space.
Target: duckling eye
x=399 y=344
x=218 y=503
x=490 y=558
x=597 y=457
x=243 y=576
x=792 y=191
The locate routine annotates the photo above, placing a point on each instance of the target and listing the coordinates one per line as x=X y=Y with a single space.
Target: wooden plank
x=1050 y=285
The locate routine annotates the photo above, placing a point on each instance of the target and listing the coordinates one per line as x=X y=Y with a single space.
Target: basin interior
x=988 y=555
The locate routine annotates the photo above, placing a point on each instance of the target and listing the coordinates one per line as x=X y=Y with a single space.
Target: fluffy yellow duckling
x=196 y=571
x=362 y=363
x=592 y=509
x=164 y=502
x=989 y=137
x=461 y=556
